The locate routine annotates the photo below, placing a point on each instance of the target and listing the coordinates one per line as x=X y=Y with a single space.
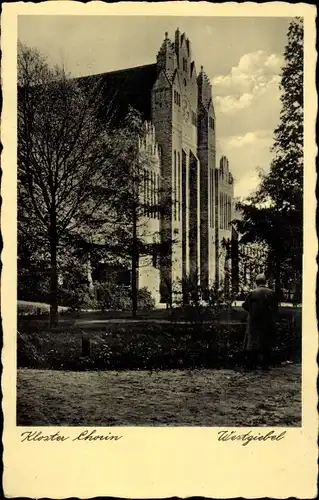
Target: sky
x=242 y=57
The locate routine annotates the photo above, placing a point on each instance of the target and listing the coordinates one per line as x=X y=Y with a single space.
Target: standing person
x=262 y=307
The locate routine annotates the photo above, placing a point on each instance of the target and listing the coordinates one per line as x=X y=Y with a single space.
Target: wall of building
x=224 y=210
x=148 y=225
x=206 y=154
x=175 y=121
x=181 y=137
x=199 y=196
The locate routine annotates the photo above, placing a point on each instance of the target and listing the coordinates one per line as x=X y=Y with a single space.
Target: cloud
x=260 y=136
x=246 y=185
x=255 y=74
x=247 y=153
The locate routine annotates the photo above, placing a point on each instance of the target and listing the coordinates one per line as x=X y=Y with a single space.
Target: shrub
x=79 y=297
x=111 y=296
x=26 y=308
x=143 y=346
x=32 y=308
x=145 y=301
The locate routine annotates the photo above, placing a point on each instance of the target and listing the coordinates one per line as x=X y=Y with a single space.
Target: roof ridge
x=117 y=71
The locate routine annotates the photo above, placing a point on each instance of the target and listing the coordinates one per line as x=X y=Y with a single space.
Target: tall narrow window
x=158 y=197
x=146 y=192
x=151 y=197
x=154 y=195
x=226 y=203
x=179 y=187
x=212 y=195
x=211 y=198
x=222 y=210
x=227 y=212
x=227 y=215
x=175 y=186
x=149 y=194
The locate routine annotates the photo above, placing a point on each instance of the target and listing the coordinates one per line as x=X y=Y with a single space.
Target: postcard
x=159 y=250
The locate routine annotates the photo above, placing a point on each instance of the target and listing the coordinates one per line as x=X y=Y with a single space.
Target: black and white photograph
x=160 y=221
x=158 y=274
x=160 y=208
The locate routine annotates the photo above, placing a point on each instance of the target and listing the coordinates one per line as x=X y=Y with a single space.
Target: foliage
x=131 y=237
x=253 y=260
x=63 y=146
x=26 y=308
x=111 y=296
x=144 y=346
x=78 y=186
x=274 y=213
x=145 y=301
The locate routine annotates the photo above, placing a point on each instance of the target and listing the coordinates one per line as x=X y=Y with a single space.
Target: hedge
x=144 y=346
x=26 y=308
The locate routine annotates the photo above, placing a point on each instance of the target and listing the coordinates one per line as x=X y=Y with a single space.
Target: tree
x=140 y=200
x=274 y=213
x=63 y=148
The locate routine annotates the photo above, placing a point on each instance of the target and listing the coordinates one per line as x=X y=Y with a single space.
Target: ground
x=176 y=398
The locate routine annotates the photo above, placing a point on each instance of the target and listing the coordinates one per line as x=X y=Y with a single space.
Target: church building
x=176 y=102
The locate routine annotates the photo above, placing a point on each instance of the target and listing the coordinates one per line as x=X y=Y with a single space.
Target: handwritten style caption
x=92 y=435
x=250 y=436
x=57 y=437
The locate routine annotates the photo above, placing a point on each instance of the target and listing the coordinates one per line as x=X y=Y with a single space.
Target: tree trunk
x=277 y=277
x=54 y=273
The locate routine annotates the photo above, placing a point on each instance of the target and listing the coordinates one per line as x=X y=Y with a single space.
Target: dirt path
x=176 y=398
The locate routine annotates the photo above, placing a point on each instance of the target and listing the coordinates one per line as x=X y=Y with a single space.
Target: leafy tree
x=63 y=148
x=131 y=235
x=274 y=213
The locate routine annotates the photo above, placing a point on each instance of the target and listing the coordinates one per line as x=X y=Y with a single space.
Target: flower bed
x=142 y=346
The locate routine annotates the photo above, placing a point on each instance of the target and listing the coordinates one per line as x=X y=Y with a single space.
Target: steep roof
x=125 y=87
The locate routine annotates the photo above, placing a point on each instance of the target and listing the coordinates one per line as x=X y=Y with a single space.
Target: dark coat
x=262 y=307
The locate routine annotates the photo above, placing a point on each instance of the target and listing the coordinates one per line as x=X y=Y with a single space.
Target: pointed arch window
x=175 y=186
x=179 y=185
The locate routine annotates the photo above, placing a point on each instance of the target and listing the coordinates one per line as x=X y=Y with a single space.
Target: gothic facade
x=177 y=102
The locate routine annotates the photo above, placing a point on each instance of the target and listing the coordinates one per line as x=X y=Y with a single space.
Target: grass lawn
x=177 y=398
